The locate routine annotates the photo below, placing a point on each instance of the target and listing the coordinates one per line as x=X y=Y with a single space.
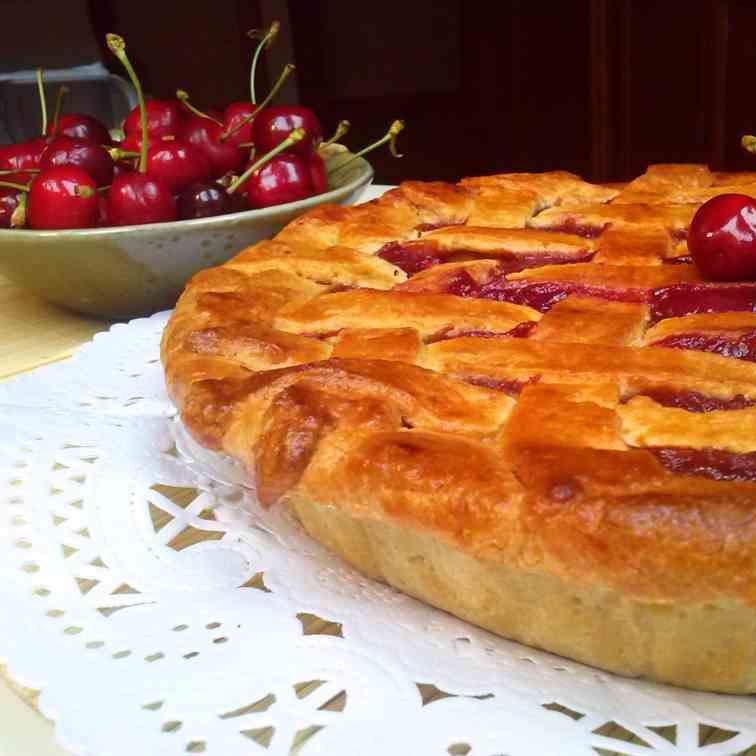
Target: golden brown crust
x=517 y=434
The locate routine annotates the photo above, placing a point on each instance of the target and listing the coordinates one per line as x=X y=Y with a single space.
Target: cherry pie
x=514 y=398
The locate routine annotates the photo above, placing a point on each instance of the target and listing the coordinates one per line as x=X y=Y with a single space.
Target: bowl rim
x=364 y=176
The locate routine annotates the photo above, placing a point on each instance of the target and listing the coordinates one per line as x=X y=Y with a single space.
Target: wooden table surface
x=33 y=333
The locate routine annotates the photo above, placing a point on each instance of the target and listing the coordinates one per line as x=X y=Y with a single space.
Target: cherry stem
x=18 y=216
x=42 y=101
x=341 y=129
x=83 y=191
x=6 y=171
x=118 y=154
x=184 y=97
x=389 y=136
x=14 y=185
x=296 y=135
x=748 y=143
x=63 y=90
x=288 y=68
x=266 y=40
x=117 y=46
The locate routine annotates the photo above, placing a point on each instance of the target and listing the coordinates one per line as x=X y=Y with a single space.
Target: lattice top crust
x=528 y=366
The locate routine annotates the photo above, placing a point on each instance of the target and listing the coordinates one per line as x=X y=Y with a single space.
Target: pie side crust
x=469 y=392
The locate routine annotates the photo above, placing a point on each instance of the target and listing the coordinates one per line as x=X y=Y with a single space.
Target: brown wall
x=600 y=87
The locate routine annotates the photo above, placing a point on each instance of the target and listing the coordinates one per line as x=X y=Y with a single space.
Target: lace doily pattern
x=161 y=611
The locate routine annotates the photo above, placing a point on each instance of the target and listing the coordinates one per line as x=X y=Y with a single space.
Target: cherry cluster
x=174 y=161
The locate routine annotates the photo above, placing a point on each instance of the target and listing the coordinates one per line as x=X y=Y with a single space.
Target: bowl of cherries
x=116 y=227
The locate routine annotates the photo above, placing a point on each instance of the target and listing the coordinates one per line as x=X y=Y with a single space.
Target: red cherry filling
x=693 y=401
x=708 y=463
x=572 y=226
x=685 y=299
x=434 y=226
x=512 y=387
x=520 y=331
x=540 y=295
x=741 y=347
x=415 y=256
x=412 y=259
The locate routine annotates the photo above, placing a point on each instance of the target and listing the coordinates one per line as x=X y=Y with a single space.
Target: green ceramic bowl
x=128 y=271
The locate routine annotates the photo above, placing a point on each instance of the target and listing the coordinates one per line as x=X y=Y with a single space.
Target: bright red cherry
x=163 y=117
x=133 y=142
x=272 y=125
x=136 y=198
x=177 y=164
x=80 y=126
x=63 y=197
x=284 y=178
x=238 y=116
x=16 y=157
x=205 y=135
x=722 y=238
x=237 y=122
x=18 y=177
x=89 y=156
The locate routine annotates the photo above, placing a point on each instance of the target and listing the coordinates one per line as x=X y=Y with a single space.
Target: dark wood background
x=599 y=87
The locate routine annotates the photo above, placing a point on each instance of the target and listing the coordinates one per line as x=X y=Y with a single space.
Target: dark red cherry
x=205 y=134
x=318 y=174
x=80 y=126
x=89 y=156
x=163 y=117
x=177 y=164
x=9 y=199
x=62 y=197
x=722 y=238
x=204 y=199
x=136 y=198
x=272 y=125
x=237 y=123
x=16 y=157
x=284 y=178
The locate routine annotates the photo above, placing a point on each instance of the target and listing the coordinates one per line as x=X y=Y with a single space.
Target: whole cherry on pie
x=722 y=238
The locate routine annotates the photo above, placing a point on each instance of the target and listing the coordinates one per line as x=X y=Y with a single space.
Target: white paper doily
x=140 y=646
